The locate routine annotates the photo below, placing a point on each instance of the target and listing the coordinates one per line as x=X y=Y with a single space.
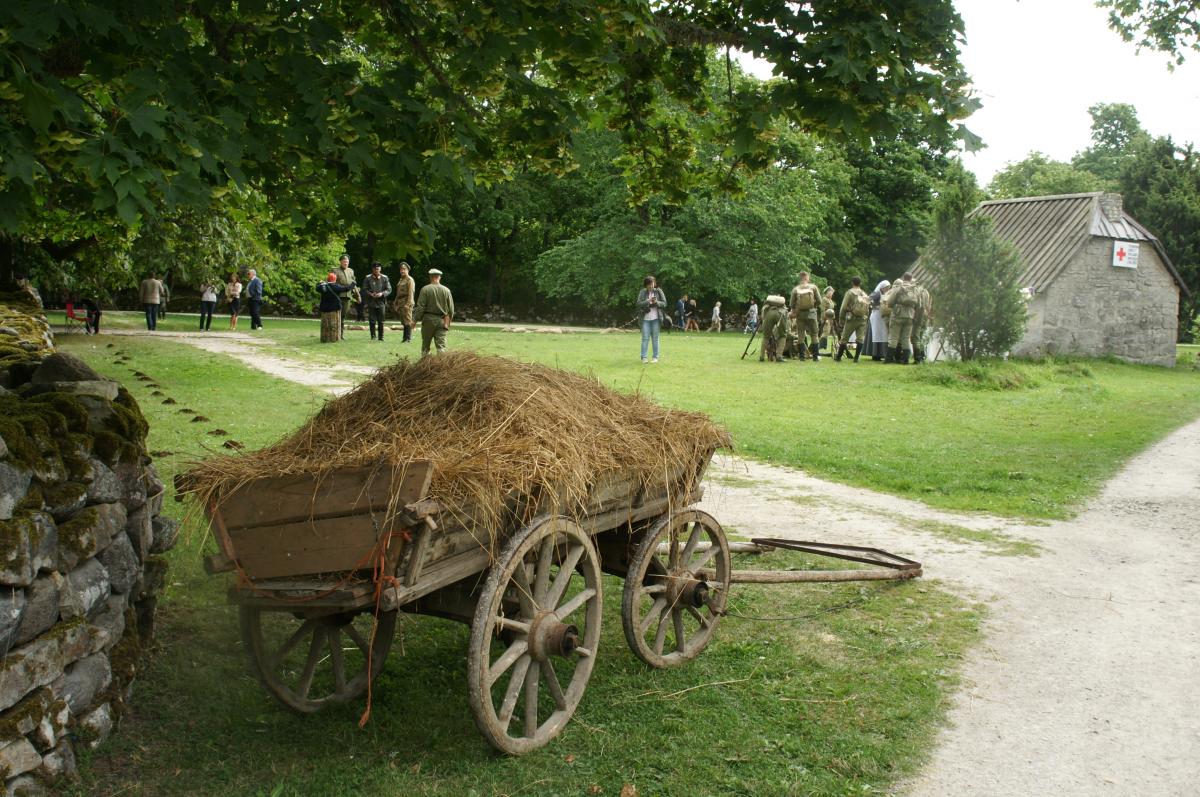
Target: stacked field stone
x=81 y=544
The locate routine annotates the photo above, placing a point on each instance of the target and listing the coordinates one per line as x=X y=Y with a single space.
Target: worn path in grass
x=1084 y=684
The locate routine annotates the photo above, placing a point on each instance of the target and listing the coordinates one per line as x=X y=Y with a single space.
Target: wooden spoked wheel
x=673 y=598
x=534 y=635
x=308 y=662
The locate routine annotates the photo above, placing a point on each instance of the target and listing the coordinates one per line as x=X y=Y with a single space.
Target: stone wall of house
x=81 y=544
x=1095 y=310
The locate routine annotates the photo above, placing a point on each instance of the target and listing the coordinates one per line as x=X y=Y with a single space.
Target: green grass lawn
x=838 y=690
x=1020 y=439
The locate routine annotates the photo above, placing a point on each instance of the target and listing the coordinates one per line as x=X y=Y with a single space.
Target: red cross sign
x=1125 y=254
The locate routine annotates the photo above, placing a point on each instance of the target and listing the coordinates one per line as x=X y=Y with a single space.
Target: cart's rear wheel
x=308 y=662
x=534 y=635
x=669 y=611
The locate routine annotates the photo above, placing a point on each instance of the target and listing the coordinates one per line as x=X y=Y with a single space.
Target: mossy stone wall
x=78 y=572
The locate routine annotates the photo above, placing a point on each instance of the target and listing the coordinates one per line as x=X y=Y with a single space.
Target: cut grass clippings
x=843 y=694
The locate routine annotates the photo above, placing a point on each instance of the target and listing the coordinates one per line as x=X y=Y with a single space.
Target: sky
x=1037 y=65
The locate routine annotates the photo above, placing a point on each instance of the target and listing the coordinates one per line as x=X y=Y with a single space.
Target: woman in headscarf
x=877 y=331
x=331 y=308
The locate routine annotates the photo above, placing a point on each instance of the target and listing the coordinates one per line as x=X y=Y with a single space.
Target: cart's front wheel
x=309 y=661
x=534 y=635
x=675 y=588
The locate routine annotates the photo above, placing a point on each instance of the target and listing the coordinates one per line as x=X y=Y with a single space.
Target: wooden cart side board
x=474 y=557
x=288 y=499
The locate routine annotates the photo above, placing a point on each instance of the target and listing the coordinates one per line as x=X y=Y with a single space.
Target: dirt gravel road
x=1088 y=678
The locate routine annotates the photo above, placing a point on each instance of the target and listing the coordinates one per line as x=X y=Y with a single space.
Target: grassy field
x=1020 y=439
x=832 y=690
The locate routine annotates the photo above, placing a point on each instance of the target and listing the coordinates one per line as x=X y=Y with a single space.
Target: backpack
x=860 y=304
x=807 y=299
x=906 y=296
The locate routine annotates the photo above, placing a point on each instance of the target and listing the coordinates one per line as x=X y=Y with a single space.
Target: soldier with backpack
x=856 y=309
x=806 y=307
x=902 y=300
x=921 y=321
x=774 y=329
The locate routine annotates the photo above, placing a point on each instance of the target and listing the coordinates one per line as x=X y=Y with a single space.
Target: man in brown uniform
x=435 y=309
x=345 y=276
x=403 y=305
x=856 y=309
x=903 y=300
x=921 y=322
x=806 y=308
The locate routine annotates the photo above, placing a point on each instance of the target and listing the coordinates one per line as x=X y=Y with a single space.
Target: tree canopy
x=1170 y=26
x=1037 y=175
x=342 y=114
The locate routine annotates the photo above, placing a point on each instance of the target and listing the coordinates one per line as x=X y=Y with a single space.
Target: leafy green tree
x=1037 y=175
x=714 y=247
x=1160 y=185
x=344 y=113
x=975 y=291
x=1171 y=26
x=1116 y=135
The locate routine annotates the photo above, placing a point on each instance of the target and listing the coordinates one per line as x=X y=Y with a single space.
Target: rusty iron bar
x=894 y=567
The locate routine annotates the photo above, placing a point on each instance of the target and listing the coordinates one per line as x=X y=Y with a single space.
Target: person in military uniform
x=403 y=303
x=806 y=309
x=435 y=310
x=345 y=276
x=375 y=290
x=902 y=302
x=856 y=309
x=921 y=321
x=774 y=329
x=828 y=318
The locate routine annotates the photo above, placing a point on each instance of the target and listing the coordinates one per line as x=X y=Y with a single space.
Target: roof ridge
x=1088 y=194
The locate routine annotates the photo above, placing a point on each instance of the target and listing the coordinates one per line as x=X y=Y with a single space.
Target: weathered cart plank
x=287 y=499
x=293 y=526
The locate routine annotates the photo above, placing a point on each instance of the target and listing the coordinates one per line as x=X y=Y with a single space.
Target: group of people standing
x=890 y=322
x=154 y=295
x=434 y=307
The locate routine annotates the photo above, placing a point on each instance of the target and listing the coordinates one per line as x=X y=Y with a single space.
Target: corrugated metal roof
x=1047 y=231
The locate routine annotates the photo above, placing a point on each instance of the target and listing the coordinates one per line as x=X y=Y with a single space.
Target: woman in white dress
x=878 y=330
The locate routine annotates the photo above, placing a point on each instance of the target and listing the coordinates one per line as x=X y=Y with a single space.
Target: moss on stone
x=15 y=536
x=77 y=535
x=33 y=501
x=74 y=414
x=133 y=418
x=36 y=707
x=63 y=494
x=107 y=446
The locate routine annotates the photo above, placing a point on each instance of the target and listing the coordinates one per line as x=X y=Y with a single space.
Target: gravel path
x=1087 y=680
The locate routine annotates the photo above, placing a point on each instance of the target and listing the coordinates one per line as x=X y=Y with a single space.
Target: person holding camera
x=651 y=304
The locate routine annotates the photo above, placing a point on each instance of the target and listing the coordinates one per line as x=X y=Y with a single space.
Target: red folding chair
x=75 y=319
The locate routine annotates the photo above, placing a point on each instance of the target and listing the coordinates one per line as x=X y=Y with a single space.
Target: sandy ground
x=1087 y=680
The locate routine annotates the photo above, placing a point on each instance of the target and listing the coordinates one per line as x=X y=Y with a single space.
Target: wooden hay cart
x=324 y=566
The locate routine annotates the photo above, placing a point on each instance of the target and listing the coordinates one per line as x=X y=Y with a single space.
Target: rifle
x=753 y=335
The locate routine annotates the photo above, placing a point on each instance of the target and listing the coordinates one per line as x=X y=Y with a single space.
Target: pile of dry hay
x=494 y=429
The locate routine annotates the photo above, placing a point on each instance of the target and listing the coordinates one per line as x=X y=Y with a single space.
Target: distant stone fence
x=81 y=544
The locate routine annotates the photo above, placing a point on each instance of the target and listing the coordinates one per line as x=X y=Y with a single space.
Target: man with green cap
x=434 y=310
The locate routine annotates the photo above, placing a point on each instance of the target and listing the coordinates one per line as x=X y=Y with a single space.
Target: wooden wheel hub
x=550 y=637
x=695 y=593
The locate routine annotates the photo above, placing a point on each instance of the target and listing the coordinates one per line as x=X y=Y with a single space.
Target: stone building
x=1099 y=283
